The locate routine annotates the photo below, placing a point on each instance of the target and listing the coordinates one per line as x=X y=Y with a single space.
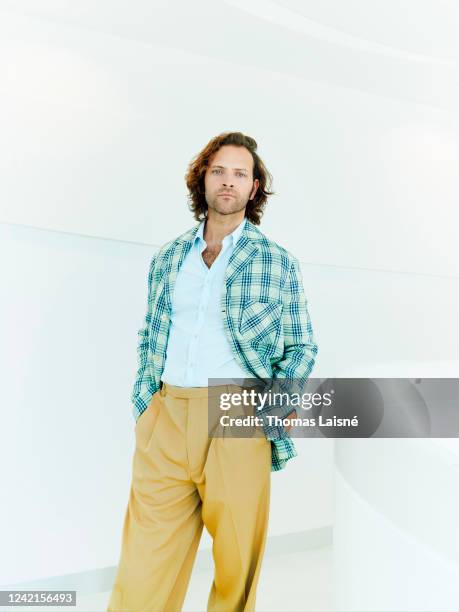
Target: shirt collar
x=234 y=236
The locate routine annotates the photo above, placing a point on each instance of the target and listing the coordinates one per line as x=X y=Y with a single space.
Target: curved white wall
x=396 y=541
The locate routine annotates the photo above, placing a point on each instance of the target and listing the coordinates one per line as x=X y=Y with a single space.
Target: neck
x=215 y=230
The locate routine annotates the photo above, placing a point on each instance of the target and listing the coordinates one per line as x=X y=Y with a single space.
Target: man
x=224 y=302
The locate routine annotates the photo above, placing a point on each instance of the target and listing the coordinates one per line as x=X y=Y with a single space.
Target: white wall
x=102 y=109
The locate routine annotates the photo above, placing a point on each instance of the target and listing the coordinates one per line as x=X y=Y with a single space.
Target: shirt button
x=163 y=317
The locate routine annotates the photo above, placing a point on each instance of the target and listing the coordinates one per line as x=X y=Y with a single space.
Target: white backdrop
x=102 y=106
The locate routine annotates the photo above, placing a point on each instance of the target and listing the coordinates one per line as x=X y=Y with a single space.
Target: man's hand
x=287 y=418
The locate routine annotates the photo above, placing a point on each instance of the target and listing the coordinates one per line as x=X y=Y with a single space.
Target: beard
x=226 y=206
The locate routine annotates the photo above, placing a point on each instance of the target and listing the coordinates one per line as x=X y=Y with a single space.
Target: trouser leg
x=163 y=525
x=236 y=494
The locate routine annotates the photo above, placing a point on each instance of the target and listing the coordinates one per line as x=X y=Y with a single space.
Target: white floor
x=289 y=582
x=299 y=582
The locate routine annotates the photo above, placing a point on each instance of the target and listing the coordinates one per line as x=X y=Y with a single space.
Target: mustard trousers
x=183 y=479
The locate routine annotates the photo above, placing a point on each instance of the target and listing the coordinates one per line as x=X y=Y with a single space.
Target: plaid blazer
x=265 y=318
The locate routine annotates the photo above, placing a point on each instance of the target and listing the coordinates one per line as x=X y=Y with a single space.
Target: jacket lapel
x=180 y=248
x=244 y=251
x=246 y=248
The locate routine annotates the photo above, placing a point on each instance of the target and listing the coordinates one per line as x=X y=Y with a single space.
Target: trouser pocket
x=147 y=420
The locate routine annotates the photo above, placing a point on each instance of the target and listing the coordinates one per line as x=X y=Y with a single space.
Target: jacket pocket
x=260 y=320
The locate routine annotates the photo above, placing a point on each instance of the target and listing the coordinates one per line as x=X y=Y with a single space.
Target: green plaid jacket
x=265 y=317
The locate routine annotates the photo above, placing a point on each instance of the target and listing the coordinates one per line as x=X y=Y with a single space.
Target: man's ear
x=257 y=184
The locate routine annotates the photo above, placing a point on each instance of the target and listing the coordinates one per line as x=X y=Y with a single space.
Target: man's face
x=230 y=171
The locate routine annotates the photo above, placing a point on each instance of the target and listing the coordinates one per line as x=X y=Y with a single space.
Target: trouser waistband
x=194 y=392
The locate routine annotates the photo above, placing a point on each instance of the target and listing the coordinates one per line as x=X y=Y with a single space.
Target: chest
x=199 y=283
x=209 y=255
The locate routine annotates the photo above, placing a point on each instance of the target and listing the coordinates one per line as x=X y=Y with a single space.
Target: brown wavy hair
x=194 y=177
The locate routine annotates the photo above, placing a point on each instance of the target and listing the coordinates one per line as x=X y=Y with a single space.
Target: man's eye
x=218 y=170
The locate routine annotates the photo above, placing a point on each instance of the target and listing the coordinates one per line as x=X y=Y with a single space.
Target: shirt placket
x=204 y=293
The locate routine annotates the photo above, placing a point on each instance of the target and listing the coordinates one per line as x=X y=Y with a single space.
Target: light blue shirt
x=197 y=347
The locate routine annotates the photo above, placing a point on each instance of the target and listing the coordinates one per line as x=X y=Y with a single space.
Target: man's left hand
x=287 y=418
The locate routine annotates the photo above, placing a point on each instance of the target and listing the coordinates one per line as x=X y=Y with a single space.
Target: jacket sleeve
x=141 y=389
x=300 y=348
